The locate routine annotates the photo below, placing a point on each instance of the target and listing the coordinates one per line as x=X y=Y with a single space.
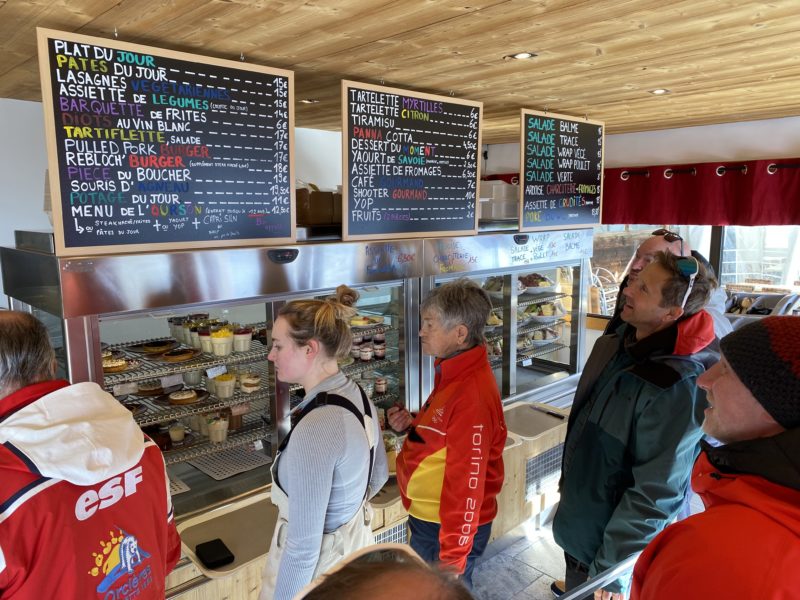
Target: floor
x=520 y=565
x=523 y=563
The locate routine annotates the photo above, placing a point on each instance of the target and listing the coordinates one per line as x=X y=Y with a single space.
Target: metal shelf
x=155 y=413
x=528 y=353
x=152 y=368
x=527 y=329
x=530 y=299
x=524 y=300
x=255 y=429
x=538 y=351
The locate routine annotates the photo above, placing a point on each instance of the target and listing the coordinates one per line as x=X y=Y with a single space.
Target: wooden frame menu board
x=152 y=150
x=561 y=170
x=411 y=163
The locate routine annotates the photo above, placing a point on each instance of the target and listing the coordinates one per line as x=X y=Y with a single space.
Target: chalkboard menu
x=411 y=163
x=152 y=150
x=562 y=170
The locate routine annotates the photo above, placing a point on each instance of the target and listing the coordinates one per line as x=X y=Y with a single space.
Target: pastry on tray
x=178 y=355
x=149 y=388
x=366 y=320
x=250 y=383
x=134 y=407
x=183 y=397
x=157 y=346
x=114 y=365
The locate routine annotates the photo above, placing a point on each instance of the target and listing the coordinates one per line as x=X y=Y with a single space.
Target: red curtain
x=758 y=192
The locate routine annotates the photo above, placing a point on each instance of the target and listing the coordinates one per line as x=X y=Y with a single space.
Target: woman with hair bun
x=332 y=461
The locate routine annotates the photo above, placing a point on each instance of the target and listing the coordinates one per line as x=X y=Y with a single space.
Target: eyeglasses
x=669 y=236
x=689 y=267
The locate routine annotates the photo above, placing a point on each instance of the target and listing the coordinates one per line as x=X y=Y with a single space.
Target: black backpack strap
x=323 y=399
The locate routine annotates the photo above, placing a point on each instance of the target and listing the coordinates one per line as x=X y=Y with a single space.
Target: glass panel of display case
x=198 y=383
x=529 y=334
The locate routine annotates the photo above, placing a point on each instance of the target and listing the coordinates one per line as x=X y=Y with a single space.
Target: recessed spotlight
x=519 y=56
x=309 y=101
x=659 y=91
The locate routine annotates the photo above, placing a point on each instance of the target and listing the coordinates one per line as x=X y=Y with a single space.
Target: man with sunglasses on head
x=634 y=427
x=664 y=240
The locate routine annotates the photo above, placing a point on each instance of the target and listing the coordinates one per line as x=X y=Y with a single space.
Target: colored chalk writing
x=411 y=163
x=156 y=147
x=562 y=166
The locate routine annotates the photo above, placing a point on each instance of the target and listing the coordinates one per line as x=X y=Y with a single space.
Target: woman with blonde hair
x=332 y=461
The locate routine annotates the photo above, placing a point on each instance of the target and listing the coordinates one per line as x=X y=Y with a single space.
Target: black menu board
x=411 y=163
x=561 y=171
x=151 y=149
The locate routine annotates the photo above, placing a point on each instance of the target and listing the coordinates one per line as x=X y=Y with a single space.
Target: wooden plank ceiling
x=722 y=60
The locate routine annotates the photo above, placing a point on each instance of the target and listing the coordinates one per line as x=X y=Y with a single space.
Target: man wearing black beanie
x=746 y=544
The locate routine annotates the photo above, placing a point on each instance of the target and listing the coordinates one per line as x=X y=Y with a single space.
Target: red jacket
x=85 y=510
x=746 y=545
x=453 y=472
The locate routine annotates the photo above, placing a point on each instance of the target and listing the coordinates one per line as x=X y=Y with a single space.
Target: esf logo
x=111 y=492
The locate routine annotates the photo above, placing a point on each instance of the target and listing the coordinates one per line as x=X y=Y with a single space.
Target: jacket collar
x=775 y=458
x=683 y=338
x=456 y=366
x=31 y=393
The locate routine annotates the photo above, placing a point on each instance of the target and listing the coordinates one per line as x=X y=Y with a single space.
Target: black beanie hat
x=765 y=355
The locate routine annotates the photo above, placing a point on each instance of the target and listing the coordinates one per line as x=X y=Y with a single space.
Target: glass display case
x=537 y=283
x=206 y=405
x=181 y=339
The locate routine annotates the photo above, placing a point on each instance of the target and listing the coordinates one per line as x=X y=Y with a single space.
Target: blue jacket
x=632 y=438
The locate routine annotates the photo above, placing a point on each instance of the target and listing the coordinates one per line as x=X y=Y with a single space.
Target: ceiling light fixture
x=659 y=91
x=519 y=56
x=309 y=101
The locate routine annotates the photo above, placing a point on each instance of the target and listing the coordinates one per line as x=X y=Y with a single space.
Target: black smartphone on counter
x=214 y=554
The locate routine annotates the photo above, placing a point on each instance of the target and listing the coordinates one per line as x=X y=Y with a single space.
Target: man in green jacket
x=634 y=428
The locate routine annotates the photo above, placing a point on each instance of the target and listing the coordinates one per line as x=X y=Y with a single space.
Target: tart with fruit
x=178 y=355
x=365 y=321
x=158 y=346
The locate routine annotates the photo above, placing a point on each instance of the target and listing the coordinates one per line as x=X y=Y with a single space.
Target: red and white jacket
x=85 y=509
x=450 y=469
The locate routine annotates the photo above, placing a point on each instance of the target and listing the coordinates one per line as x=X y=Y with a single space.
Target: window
x=758 y=258
x=614 y=245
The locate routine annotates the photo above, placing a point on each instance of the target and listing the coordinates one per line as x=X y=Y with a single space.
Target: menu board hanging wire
x=152 y=150
x=561 y=171
x=411 y=163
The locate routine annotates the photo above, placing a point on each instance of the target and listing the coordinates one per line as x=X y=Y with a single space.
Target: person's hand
x=606 y=595
x=399 y=418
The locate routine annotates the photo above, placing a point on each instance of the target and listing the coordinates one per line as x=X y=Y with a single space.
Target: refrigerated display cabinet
x=537 y=284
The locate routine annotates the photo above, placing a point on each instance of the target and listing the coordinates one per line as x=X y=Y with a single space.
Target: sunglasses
x=689 y=268
x=669 y=236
